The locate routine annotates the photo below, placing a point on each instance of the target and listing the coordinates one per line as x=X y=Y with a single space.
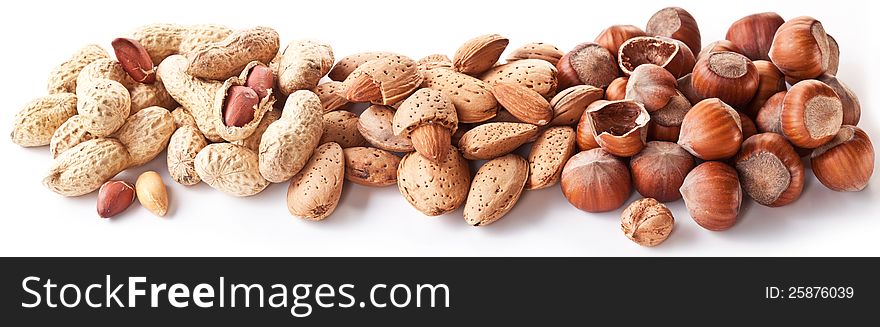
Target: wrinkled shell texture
x=235 y=133
x=150 y=95
x=341 y=127
x=83 y=168
x=62 y=79
x=426 y=106
x=253 y=142
x=230 y=168
x=434 y=188
x=68 y=135
x=227 y=58
x=184 y=146
x=194 y=94
x=495 y=189
x=647 y=222
x=371 y=166
x=146 y=134
x=535 y=74
x=163 y=40
x=493 y=140
x=35 y=124
x=106 y=104
x=182 y=117
x=302 y=65
x=375 y=125
x=472 y=98
x=314 y=192
x=550 y=151
x=288 y=143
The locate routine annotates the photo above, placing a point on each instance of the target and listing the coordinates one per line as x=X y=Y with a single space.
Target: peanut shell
x=35 y=124
x=68 y=135
x=227 y=58
x=230 y=168
x=63 y=77
x=86 y=166
x=194 y=94
x=302 y=65
x=163 y=40
x=288 y=143
x=184 y=146
x=146 y=134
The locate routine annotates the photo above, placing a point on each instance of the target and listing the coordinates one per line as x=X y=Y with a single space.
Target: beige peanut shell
x=38 y=120
x=163 y=40
x=63 y=77
x=83 y=168
x=195 y=94
x=228 y=57
x=434 y=188
x=146 y=134
x=314 y=192
x=68 y=135
x=289 y=142
x=302 y=65
x=230 y=168
x=183 y=147
x=150 y=95
x=253 y=142
x=103 y=97
x=182 y=117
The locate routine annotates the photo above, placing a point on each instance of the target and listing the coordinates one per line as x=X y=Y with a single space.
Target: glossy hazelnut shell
x=748 y=126
x=665 y=123
x=800 y=48
x=596 y=181
x=659 y=170
x=770 y=82
x=685 y=27
x=736 y=88
x=712 y=194
x=847 y=162
x=852 y=107
x=612 y=37
x=711 y=130
x=719 y=46
x=584 y=135
x=754 y=34
x=619 y=127
x=672 y=55
x=588 y=63
x=687 y=88
x=769 y=118
x=617 y=89
x=808 y=128
x=759 y=162
x=652 y=86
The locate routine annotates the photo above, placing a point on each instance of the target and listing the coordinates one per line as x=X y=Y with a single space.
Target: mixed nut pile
x=647 y=109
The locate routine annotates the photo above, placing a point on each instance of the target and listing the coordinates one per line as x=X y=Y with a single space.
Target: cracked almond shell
x=385 y=81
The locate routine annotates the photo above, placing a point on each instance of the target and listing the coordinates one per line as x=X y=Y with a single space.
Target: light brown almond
x=151 y=193
x=348 y=64
x=434 y=61
x=434 y=188
x=493 y=140
x=536 y=50
x=332 y=96
x=342 y=127
x=496 y=189
x=548 y=156
x=371 y=166
x=570 y=104
x=479 y=54
x=314 y=192
x=394 y=78
x=524 y=103
x=375 y=125
x=473 y=98
x=535 y=74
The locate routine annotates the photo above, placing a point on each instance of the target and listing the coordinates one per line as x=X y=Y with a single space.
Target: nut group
x=647 y=109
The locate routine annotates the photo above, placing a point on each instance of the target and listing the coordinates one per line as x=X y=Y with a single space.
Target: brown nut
x=370 y=166
x=536 y=50
x=711 y=130
x=524 y=103
x=241 y=105
x=588 y=63
x=647 y=222
x=596 y=181
x=114 y=197
x=719 y=46
x=613 y=37
x=754 y=34
x=852 y=108
x=569 y=104
x=617 y=89
x=847 y=162
x=748 y=126
x=584 y=136
x=659 y=170
x=619 y=127
x=728 y=76
x=676 y=23
x=479 y=54
x=261 y=80
x=383 y=81
x=833 y=56
x=800 y=48
x=687 y=88
x=652 y=86
x=665 y=124
x=712 y=194
x=770 y=82
x=811 y=114
x=549 y=153
x=135 y=60
x=670 y=54
x=769 y=118
x=770 y=170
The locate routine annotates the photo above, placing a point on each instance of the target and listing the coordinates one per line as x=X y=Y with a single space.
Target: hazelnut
x=676 y=23
x=711 y=130
x=770 y=170
x=617 y=89
x=770 y=82
x=847 y=162
x=712 y=195
x=811 y=114
x=719 y=46
x=670 y=54
x=687 y=88
x=619 y=127
x=833 y=56
x=595 y=181
x=770 y=115
x=584 y=135
x=852 y=108
x=754 y=34
x=728 y=76
x=659 y=170
x=647 y=222
x=611 y=38
x=569 y=104
x=665 y=123
x=587 y=63
x=800 y=48
x=748 y=126
x=652 y=86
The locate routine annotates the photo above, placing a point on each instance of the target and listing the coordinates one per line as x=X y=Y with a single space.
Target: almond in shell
x=548 y=156
x=371 y=166
x=314 y=192
x=375 y=125
x=479 y=54
x=431 y=187
x=348 y=64
x=569 y=104
x=383 y=81
x=536 y=50
x=535 y=74
x=472 y=97
x=524 y=103
x=342 y=127
x=493 y=140
x=496 y=189
x=332 y=96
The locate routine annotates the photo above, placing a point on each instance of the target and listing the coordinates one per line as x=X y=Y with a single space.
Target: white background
x=378 y=222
